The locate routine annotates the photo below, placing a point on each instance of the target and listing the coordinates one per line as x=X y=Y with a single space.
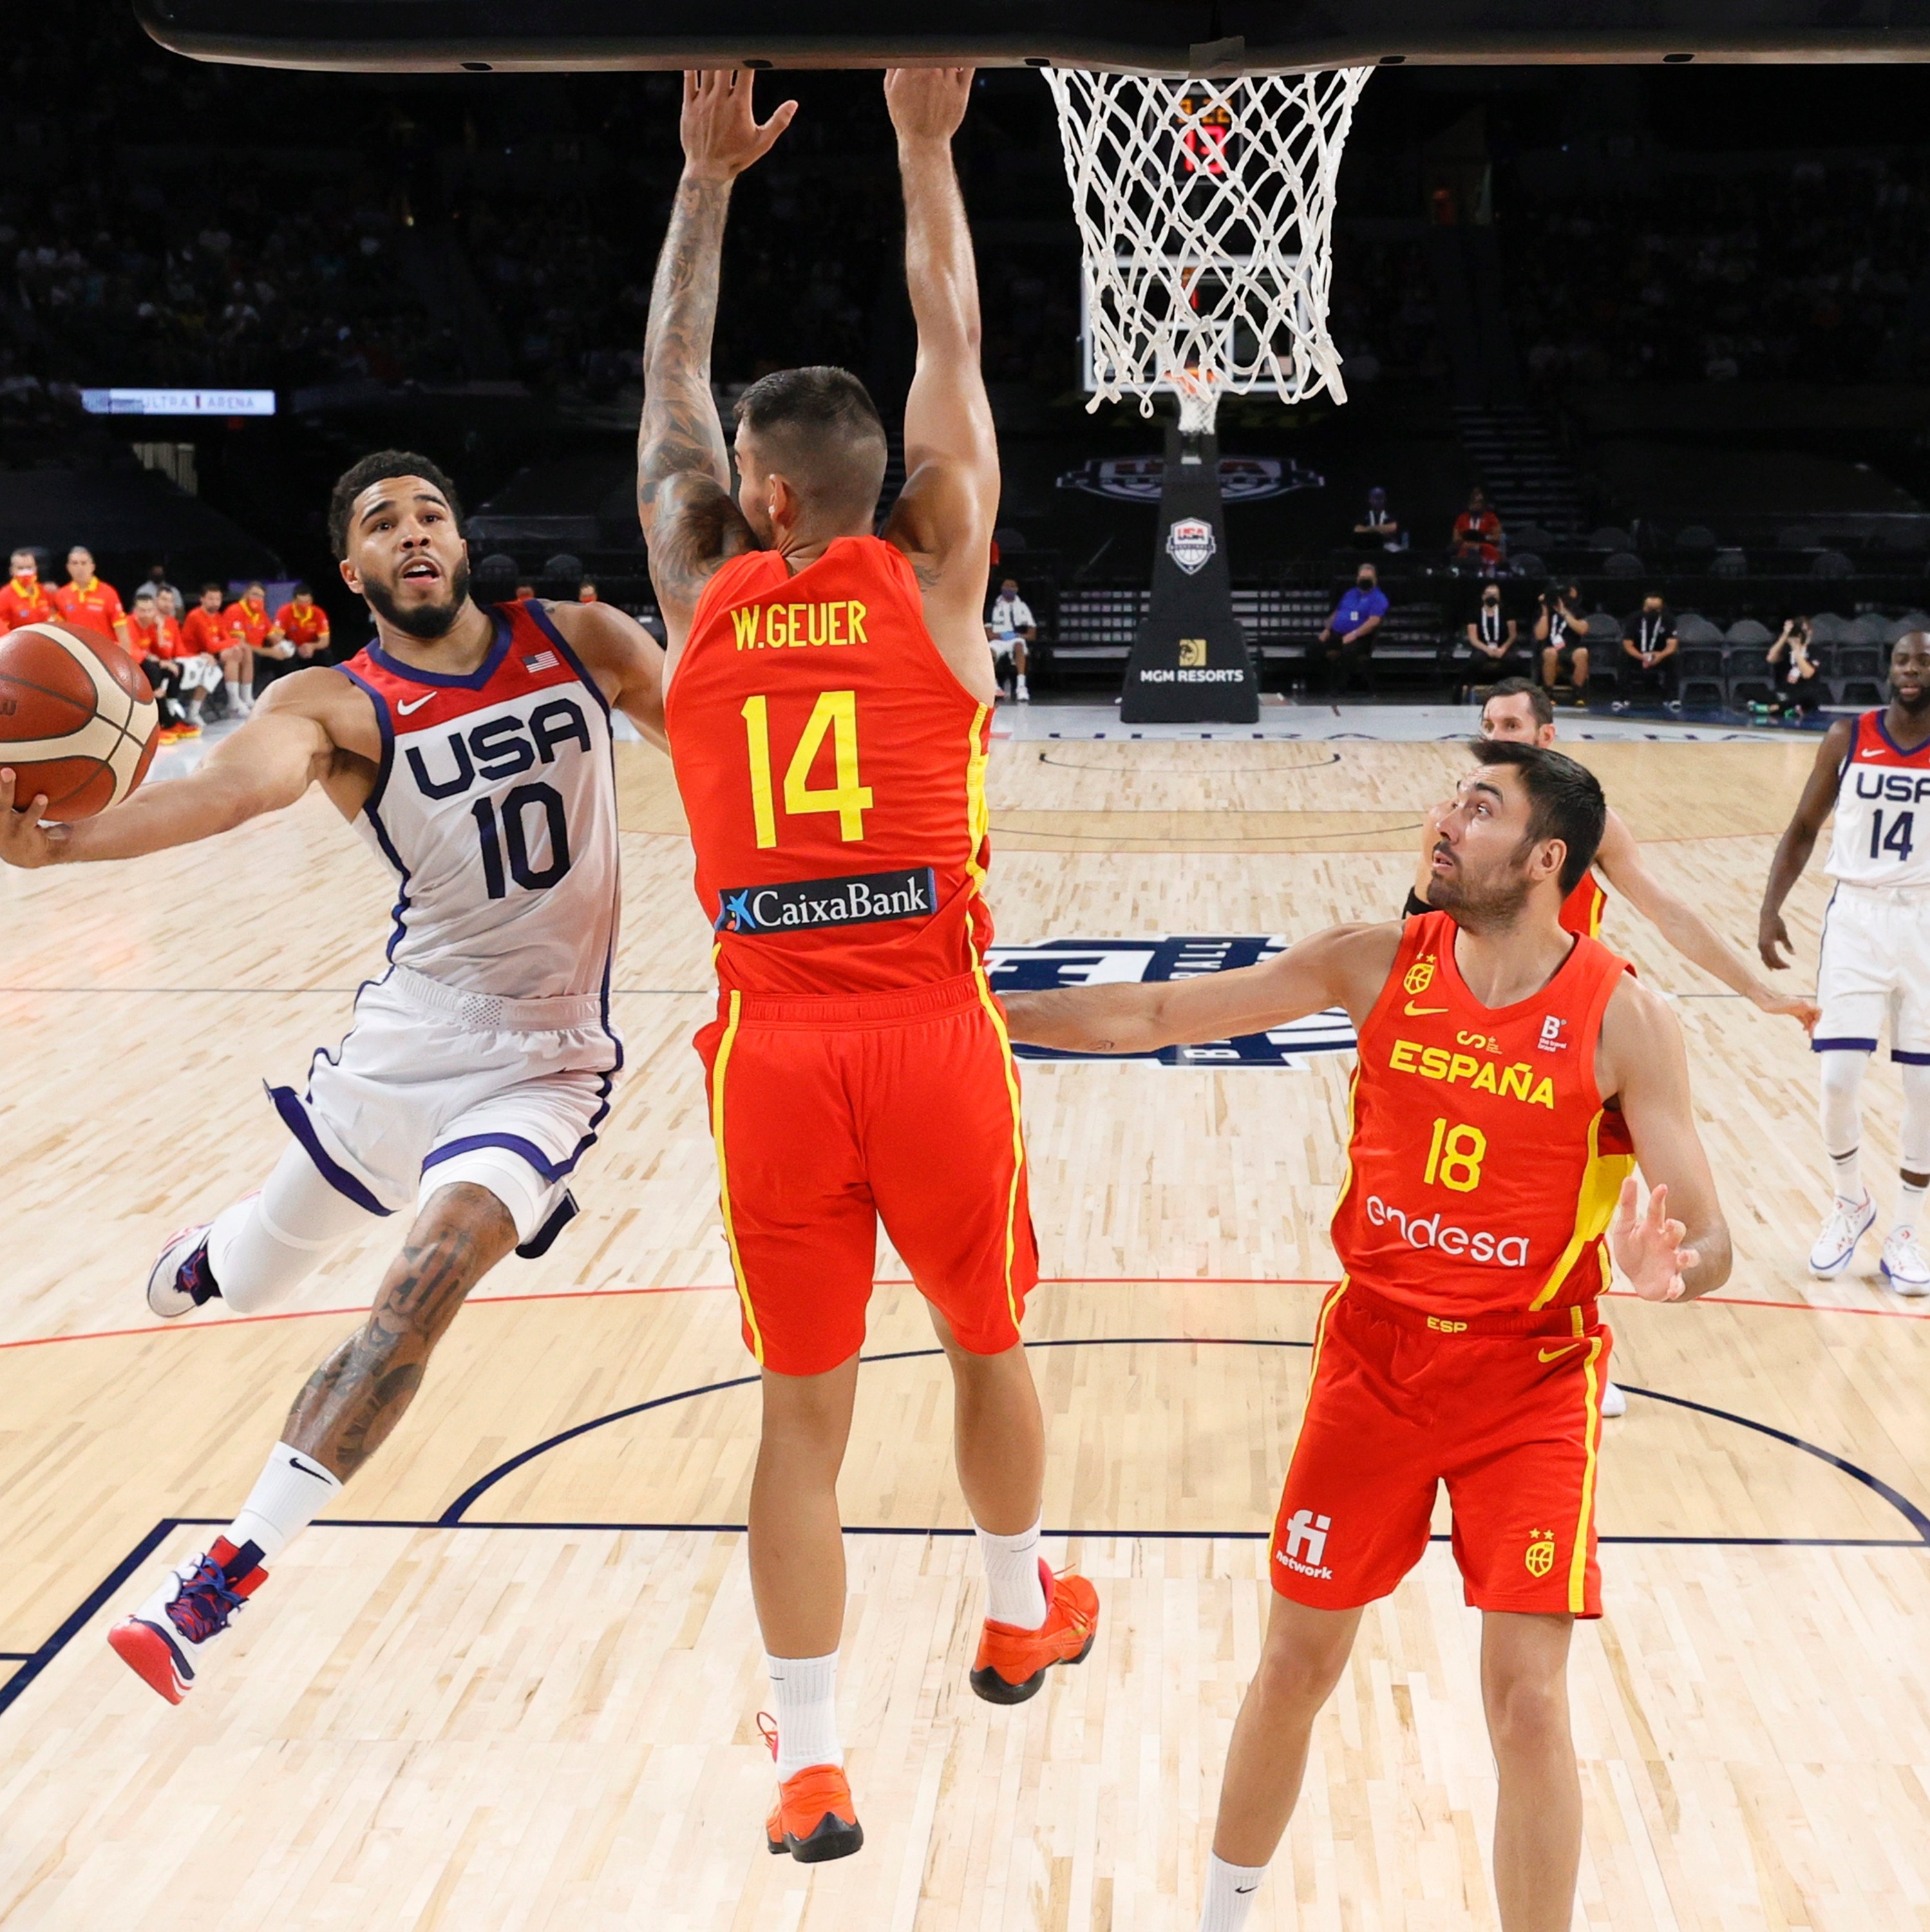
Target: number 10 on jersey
x=834 y=716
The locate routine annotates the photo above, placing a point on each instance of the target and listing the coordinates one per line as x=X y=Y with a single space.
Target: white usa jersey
x=1882 y=835
x=496 y=806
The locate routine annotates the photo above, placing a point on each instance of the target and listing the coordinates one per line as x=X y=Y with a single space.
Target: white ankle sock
x=292 y=1490
x=805 y=1690
x=1909 y=1208
x=1014 y=1593
x=1229 y=1895
x=233 y=690
x=1846 y=1173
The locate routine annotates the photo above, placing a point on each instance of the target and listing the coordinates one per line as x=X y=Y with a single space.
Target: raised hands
x=721 y=133
x=927 y=103
x=1647 y=1245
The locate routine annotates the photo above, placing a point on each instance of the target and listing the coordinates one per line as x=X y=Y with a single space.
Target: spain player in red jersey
x=1510 y=1074
x=829 y=700
x=24 y=599
x=86 y=600
x=303 y=624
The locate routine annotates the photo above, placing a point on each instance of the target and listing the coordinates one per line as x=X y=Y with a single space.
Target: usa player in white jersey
x=471 y=747
x=1874 y=773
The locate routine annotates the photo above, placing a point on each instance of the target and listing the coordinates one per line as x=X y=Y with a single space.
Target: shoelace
x=1076 y=1619
x=204 y=1603
x=767 y=1730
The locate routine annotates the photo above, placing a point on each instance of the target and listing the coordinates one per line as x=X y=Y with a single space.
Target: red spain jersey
x=1485 y=1167
x=161 y=639
x=24 y=604
x=302 y=627
x=833 y=770
x=247 y=623
x=1582 y=910
x=206 y=632
x=96 y=608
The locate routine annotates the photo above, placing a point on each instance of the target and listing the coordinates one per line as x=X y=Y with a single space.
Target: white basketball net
x=1205 y=211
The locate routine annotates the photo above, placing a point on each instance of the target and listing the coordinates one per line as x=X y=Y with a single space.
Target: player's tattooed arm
x=689 y=520
x=1673 y=1245
x=1799 y=839
x=354 y=1400
x=1344 y=966
x=268 y=763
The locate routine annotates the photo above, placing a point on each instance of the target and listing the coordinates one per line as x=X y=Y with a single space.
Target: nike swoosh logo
x=1414 y=1013
x=320 y=1475
x=1244 y=1891
x=1551 y=1355
x=414 y=703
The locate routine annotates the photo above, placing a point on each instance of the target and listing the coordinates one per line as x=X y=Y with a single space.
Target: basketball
x=77 y=720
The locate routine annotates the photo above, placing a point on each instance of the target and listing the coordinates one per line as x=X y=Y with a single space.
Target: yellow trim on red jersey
x=724 y=1046
x=978 y=813
x=1592 y=1441
x=1600 y=1189
x=1011 y=1072
x=1327 y=1308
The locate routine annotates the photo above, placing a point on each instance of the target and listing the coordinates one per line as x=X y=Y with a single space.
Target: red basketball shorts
x=831 y=1114
x=1507 y=1412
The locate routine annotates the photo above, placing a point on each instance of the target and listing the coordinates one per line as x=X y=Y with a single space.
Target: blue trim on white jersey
x=295 y=1117
x=1903 y=1059
x=1844 y=1046
x=473 y=680
x=1883 y=731
x=385 y=725
x=546 y=624
x=399 y=912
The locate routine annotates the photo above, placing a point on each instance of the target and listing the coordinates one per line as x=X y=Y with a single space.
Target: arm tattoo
x=683 y=470
x=358 y=1395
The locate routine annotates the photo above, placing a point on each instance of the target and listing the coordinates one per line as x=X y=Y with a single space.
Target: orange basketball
x=77 y=720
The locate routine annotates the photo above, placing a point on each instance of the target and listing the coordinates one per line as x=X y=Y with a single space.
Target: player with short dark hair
x=1872 y=773
x=305 y=624
x=470 y=747
x=24 y=599
x=87 y=600
x=828 y=698
x=1510 y=1074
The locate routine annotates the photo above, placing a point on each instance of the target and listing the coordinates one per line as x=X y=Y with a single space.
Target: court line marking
x=896 y=1281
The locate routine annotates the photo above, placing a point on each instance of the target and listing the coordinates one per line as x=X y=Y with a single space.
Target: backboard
x=1194 y=37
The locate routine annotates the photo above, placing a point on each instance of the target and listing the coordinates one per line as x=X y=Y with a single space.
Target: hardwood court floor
x=523 y=1696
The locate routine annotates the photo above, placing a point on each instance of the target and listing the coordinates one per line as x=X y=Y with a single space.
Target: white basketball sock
x=1229 y=1895
x=1909 y=1209
x=1842 y=1079
x=805 y=1690
x=233 y=690
x=260 y=1249
x=292 y=1490
x=1913 y=1141
x=1015 y=1593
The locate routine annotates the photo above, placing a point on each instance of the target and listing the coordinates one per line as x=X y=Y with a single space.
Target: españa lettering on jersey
x=1485 y=1165
x=831 y=769
x=1882 y=832
x=496 y=808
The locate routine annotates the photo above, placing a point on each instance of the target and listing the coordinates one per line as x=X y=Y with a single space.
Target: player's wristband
x=1416 y=906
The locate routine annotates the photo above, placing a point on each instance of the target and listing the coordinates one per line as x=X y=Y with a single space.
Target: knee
x=1842 y=1075
x=1528 y=1715
x=1298 y=1680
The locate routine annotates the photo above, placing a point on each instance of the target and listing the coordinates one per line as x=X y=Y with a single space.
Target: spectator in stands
x=24 y=599
x=1346 y=641
x=1378 y=525
x=262 y=647
x=1648 y=648
x=1561 y=631
x=1479 y=539
x=585 y=591
x=84 y=600
x=1494 y=637
x=157 y=582
x=1010 y=630
x=1792 y=657
x=304 y=625
x=154 y=642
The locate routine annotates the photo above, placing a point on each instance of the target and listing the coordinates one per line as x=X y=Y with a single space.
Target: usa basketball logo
x=1540 y=1558
x=1190 y=545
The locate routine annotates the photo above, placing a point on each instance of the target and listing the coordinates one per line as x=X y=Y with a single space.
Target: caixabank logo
x=1051 y=963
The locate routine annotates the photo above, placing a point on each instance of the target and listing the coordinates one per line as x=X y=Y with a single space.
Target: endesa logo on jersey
x=1430 y=1231
x=866 y=898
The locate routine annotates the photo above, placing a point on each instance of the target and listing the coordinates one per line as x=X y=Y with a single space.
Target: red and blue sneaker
x=164 y=1640
x=181 y=1279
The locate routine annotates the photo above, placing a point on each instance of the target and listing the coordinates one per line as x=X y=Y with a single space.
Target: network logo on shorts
x=1306 y=1533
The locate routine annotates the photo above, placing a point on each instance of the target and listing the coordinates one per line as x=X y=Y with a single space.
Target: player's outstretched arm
x=1685 y=928
x=268 y=763
x=943 y=519
x=1345 y=966
x=1674 y=1245
x=1799 y=839
x=625 y=661
x=691 y=522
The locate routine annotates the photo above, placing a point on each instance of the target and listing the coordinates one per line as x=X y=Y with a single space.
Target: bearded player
x=1511 y=1076
x=829 y=699
x=1873 y=772
x=470 y=747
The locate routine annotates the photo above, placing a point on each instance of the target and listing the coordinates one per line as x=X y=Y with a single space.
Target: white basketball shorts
x=432 y=1087
x=1874 y=971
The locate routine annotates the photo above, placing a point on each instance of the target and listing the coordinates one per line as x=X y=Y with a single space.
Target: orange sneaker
x=1012 y=1663
x=814 y=1819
